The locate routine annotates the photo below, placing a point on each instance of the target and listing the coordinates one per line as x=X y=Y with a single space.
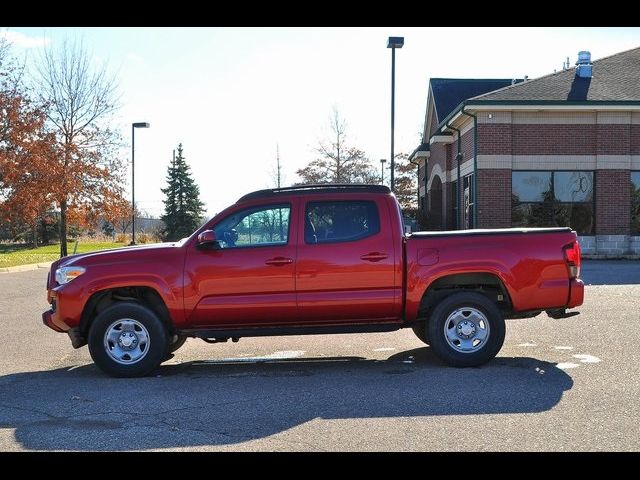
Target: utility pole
x=278 y=160
x=279 y=209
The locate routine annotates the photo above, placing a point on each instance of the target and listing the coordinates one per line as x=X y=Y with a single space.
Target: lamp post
x=382 y=161
x=393 y=43
x=133 y=177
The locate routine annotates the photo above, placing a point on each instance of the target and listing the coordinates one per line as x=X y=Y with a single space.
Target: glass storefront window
x=553 y=199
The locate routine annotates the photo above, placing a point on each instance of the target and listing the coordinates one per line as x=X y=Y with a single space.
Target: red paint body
x=378 y=279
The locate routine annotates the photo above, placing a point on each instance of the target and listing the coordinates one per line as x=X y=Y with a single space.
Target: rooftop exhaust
x=584 y=67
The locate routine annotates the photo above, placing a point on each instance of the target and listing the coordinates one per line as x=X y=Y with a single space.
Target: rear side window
x=340 y=221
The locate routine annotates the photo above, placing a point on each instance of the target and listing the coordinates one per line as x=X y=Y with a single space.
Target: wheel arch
x=141 y=294
x=486 y=283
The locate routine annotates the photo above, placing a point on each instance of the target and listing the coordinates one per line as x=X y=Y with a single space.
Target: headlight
x=66 y=274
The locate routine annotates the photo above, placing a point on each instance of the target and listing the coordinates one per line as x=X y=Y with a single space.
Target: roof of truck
x=315 y=189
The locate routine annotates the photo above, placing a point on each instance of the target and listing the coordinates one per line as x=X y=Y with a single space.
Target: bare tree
x=338 y=163
x=4 y=49
x=81 y=99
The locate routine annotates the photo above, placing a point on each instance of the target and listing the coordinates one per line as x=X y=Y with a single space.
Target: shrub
x=142 y=238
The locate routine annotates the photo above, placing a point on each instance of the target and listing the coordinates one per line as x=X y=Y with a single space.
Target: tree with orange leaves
x=25 y=150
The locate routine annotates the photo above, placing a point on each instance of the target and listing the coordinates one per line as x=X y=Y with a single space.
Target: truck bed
x=529 y=262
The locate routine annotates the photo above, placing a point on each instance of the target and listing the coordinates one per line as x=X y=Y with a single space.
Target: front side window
x=635 y=203
x=255 y=227
x=553 y=199
x=340 y=221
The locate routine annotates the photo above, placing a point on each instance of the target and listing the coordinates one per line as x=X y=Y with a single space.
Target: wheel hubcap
x=466 y=330
x=127 y=341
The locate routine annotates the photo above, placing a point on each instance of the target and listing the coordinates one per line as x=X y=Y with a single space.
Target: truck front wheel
x=466 y=329
x=127 y=340
x=422 y=332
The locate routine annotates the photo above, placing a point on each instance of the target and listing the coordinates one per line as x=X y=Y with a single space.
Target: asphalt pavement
x=556 y=385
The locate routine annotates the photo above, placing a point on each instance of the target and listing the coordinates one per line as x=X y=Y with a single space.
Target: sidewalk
x=25 y=268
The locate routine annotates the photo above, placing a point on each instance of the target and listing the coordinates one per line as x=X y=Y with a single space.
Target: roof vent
x=584 y=67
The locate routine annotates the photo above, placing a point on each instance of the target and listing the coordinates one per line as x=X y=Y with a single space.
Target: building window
x=635 y=203
x=553 y=199
x=468 y=201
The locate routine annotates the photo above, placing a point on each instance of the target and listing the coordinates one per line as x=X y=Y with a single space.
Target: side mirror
x=208 y=239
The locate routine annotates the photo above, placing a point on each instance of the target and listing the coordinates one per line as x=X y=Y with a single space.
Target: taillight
x=572 y=255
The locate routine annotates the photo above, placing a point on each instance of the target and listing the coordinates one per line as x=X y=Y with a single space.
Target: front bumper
x=75 y=335
x=47 y=319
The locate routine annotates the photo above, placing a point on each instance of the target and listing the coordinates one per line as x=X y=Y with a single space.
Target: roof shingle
x=615 y=78
x=448 y=93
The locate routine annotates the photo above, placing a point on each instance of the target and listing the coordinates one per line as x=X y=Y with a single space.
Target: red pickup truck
x=312 y=260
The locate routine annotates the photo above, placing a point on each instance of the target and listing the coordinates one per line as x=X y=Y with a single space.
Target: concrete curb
x=25 y=268
x=589 y=256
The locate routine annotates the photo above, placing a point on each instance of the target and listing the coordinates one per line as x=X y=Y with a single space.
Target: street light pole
x=382 y=161
x=393 y=43
x=133 y=177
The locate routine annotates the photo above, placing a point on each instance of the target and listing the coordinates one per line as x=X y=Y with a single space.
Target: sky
x=231 y=95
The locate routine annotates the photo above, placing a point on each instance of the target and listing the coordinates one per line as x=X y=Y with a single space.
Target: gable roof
x=448 y=93
x=615 y=78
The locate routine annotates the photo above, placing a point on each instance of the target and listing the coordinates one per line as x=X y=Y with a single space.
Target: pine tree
x=183 y=209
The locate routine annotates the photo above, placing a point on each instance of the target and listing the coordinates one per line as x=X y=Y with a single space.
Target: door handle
x=374 y=256
x=279 y=261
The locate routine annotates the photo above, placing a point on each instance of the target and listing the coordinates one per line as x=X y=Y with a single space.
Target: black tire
x=173 y=346
x=155 y=345
x=485 y=349
x=421 y=331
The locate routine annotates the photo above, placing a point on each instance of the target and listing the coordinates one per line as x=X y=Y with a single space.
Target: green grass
x=12 y=254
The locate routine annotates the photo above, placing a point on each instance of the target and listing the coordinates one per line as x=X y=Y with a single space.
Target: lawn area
x=19 y=254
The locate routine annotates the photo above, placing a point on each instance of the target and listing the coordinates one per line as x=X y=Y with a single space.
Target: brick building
x=563 y=149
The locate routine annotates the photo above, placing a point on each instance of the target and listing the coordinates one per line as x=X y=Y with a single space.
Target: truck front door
x=249 y=280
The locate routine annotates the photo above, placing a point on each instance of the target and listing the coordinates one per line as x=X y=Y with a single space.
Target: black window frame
x=309 y=203
x=257 y=208
x=555 y=201
x=455 y=192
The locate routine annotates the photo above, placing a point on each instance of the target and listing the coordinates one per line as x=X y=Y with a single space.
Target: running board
x=281 y=331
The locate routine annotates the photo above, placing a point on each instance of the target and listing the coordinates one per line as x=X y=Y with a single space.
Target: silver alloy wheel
x=127 y=341
x=466 y=330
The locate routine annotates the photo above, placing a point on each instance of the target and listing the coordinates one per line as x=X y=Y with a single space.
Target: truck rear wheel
x=127 y=340
x=466 y=329
x=176 y=342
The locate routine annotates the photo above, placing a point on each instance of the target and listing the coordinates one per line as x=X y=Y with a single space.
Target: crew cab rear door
x=345 y=260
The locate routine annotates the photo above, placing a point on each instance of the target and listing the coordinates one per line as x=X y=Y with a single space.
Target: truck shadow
x=216 y=403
